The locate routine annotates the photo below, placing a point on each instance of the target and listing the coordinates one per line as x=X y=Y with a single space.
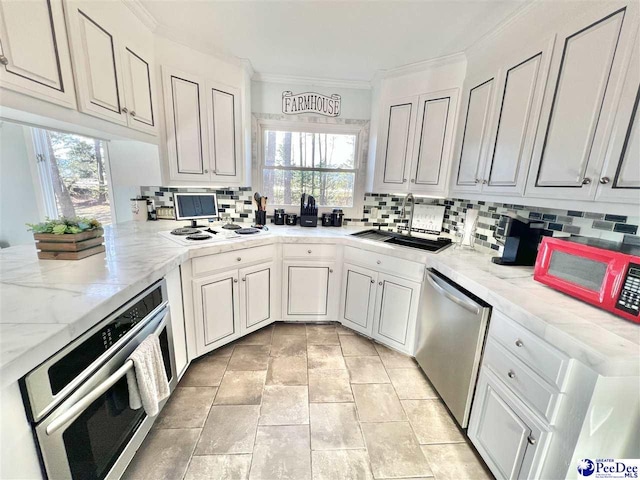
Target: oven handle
x=81 y=405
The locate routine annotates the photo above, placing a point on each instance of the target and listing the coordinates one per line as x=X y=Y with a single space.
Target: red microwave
x=602 y=273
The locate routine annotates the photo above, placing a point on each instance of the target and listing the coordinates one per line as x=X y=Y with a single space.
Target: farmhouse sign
x=309 y=102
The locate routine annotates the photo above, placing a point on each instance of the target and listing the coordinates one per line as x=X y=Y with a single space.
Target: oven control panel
x=629 y=298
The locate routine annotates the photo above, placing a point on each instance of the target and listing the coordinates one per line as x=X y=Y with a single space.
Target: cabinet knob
x=373 y=281
x=380 y=283
x=519 y=343
x=124 y=110
x=477 y=180
x=511 y=374
x=605 y=180
x=413 y=180
x=379 y=262
x=586 y=181
x=404 y=180
x=484 y=182
x=235 y=280
x=531 y=440
x=331 y=270
x=308 y=251
x=133 y=113
x=4 y=60
x=239 y=259
x=244 y=279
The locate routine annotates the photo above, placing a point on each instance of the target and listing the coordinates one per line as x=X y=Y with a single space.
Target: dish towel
x=147 y=380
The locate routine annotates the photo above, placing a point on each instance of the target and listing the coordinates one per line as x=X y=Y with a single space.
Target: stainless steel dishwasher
x=451 y=332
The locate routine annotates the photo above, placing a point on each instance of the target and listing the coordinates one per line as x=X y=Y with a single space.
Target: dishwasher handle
x=463 y=302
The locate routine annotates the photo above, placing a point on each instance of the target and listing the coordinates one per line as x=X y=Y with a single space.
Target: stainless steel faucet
x=403 y=211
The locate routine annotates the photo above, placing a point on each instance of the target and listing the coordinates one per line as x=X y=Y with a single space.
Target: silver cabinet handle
x=519 y=343
x=4 y=60
x=133 y=113
x=244 y=279
x=413 y=180
x=373 y=281
x=124 y=110
x=404 y=180
x=235 y=280
x=605 y=180
x=477 y=180
x=484 y=182
x=239 y=259
x=331 y=270
x=511 y=374
x=586 y=181
x=531 y=440
x=380 y=283
x=379 y=262
x=432 y=279
x=308 y=251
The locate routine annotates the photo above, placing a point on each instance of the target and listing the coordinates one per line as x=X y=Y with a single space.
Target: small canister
x=291 y=219
x=336 y=217
x=327 y=220
x=139 y=209
x=278 y=216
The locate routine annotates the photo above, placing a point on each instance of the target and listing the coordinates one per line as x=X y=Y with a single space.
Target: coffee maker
x=520 y=237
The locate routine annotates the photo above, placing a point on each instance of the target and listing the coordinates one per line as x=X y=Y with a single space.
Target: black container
x=309 y=221
x=327 y=220
x=261 y=217
x=336 y=217
x=291 y=219
x=278 y=216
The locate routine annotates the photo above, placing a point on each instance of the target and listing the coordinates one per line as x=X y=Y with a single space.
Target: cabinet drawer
x=385 y=263
x=308 y=250
x=538 y=355
x=528 y=386
x=221 y=261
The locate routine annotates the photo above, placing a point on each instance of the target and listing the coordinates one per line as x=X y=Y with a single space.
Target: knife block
x=308 y=220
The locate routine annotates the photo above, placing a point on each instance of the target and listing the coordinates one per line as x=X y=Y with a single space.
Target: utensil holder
x=261 y=217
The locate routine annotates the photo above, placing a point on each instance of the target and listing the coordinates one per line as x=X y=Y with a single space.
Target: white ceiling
x=330 y=39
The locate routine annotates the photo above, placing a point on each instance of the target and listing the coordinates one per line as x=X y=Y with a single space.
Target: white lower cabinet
x=508 y=437
x=359 y=298
x=309 y=290
x=230 y=304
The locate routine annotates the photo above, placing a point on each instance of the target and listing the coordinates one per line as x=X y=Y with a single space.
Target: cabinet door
x=396 y=143
x=187 y=147
x=309 y=292
x=620 y=179
x=510 y=440
x=225 y=133
x=518 y=111
x=216 y=307
x=396 y=311
x=139 y=92
x=34 y=55
x=358 y=298
x=587 y=67
x=257 y=296
x=432 y=149
x=96 y=61
x=474 y=143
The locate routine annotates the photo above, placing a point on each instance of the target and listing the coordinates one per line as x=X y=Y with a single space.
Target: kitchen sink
x=405 y=240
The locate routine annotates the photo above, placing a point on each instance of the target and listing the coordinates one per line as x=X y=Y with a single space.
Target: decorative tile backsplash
x=383 y=210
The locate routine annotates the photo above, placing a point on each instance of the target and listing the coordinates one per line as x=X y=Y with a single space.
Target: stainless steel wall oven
x=78 y=400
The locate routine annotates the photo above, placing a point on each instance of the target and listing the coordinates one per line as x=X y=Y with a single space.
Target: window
x=72 y=172
x=319 y=160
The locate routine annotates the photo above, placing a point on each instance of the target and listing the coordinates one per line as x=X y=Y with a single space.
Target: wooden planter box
x=69 y=246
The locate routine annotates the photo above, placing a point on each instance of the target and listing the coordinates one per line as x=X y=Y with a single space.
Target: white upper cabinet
x=513 y=132
x=588 y=67
x=185 y=112
x=474 y=144
x=396 y=142
x=111 y=52
x=620 y=178
x=416 y=134
x=225 y=133
x=34 y=55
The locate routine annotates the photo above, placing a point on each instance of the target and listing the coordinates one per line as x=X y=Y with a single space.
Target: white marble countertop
x=45 y=304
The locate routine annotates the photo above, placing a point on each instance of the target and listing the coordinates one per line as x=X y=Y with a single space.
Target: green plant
x=64 y=225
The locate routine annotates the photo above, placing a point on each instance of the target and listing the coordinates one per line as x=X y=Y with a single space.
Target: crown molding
x=420 y=66
x=315 y=81
x=142 y=13
x=498 y=29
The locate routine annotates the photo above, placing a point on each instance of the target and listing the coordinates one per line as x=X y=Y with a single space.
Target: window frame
x=359 y=167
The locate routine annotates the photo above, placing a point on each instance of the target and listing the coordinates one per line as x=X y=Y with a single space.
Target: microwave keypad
x=629 y=299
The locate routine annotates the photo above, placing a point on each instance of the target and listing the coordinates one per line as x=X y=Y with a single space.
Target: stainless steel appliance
x=78 y=399
x=451 y=332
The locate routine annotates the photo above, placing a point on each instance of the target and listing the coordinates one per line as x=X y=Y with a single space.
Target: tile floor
x=296 y=401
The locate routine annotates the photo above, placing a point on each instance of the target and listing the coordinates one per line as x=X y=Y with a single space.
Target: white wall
x=17 y=196
x=266 y=97
x=131 y=164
